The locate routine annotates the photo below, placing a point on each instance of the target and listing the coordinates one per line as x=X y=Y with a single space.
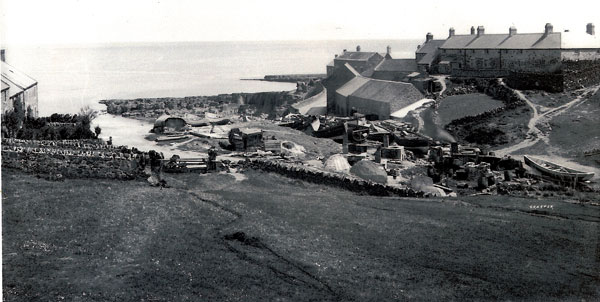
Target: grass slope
x=102 y=240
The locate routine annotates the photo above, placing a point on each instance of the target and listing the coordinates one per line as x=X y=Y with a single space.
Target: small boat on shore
x=171 y=138
x=557 y=171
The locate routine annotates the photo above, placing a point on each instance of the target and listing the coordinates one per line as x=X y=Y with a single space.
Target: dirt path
x=442 y=80
x=534 y=134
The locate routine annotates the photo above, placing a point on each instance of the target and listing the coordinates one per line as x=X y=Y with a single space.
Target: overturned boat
x=557 y=171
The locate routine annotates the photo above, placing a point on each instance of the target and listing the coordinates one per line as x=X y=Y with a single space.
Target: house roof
x=356 y=55
x=400 y=93
x=397 y=65
x=5 y=86
x=431 y=46
x=13 y=76
x=504 y=41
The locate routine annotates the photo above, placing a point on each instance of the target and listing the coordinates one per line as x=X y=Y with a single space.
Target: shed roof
x=427 y=59
x=250 y=131
x=389 y=92
x=352 y=86
x=161 y=120
x=397 y=65
x=13 y=76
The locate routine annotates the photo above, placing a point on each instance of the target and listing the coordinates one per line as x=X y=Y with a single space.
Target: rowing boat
x=557 y=171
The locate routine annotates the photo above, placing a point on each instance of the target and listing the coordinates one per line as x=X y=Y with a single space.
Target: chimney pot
x=357 y=47
x=472 y=30
x=3 y=55
x=480 y=30
x=388 y=50
x=451 y=32
x=590 y=29
x=428 y=37
x=548 y=29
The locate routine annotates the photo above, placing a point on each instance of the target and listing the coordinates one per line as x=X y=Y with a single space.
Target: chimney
x=590 y=30
x=345 y=50
x=388 y=50
x=472 y=30
x=549 y=29
x=428 y=37
x=336 y=56
x=451 y=32
x=480 y=30
x=512 y=31
x=357 y=47
x=3 y=55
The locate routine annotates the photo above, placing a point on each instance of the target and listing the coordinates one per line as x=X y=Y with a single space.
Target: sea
x=71 y=77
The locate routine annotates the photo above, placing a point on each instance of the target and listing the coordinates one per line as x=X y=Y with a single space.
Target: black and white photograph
x=179 y=150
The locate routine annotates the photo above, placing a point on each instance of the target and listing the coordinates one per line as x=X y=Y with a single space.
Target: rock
x=337 y=163
x=369 y=170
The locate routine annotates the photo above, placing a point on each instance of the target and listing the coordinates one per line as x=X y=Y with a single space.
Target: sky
x=106 y=21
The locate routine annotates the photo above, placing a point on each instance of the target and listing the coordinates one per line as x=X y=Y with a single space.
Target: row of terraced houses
x=550 y=60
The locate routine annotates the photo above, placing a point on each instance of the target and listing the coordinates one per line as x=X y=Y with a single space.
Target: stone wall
x=551 y=82
x=73 y=159
x=498 y=62
x=70 y=166
x=579 y=74
x=344 y=181
x=492 y=87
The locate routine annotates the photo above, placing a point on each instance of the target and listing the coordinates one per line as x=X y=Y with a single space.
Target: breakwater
x=272 y=103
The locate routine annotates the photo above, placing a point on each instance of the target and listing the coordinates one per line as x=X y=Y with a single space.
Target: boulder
x=337 y=163
x=369 y=170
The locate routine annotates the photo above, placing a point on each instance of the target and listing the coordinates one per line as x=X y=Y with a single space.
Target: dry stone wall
x=72 y=159
x=343 y=181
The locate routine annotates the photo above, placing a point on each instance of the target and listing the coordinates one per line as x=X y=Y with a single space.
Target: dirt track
x=534 y=134
x=271 y=238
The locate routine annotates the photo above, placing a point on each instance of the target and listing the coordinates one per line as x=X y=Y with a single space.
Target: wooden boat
x=557 y=171
x=171 y=138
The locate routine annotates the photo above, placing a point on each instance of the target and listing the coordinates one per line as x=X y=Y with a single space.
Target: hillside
x=258 y=236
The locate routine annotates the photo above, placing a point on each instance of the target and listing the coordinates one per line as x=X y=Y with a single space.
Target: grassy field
x=459 y=106
x=270 y=238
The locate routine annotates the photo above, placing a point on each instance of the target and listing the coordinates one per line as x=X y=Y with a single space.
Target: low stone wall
x=494 y=88
x=343 y=181
x=473 y=128
x=579 y=74
x=58 y=165
x=536 y=81
x=73 y=158
x=90 y=144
